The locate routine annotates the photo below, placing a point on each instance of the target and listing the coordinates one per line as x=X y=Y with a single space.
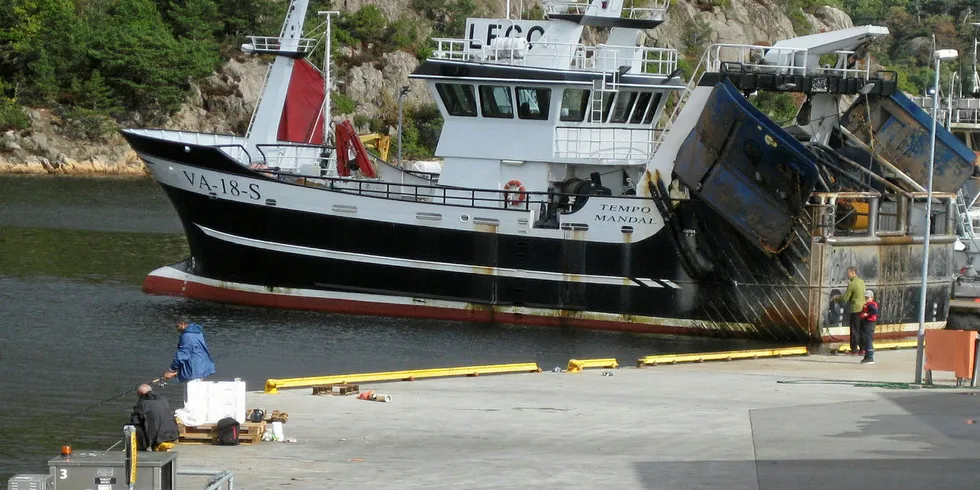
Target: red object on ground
x=950 y=350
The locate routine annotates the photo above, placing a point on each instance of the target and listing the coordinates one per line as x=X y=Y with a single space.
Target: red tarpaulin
x=302 y=120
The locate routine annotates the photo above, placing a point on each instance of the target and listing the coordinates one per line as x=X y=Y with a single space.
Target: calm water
x=75 y=329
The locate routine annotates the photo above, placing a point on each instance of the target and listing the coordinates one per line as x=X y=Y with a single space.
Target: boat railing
x=439 y=194
x=963 y=110
x=862 y=67
x=273 y=44
x=299 y=160
x=652 y=10
x=608 y=57
x=237 y=152
x=756 y=59
x=605 y=142
x=303 y=158
x=190 y=137
x=965 y=116
x=571 y=56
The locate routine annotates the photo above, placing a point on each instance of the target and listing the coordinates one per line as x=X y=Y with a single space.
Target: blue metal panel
x=748 y=169
x=943 y=136
x=902 y=135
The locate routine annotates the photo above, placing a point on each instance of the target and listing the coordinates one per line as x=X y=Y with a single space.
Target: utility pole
x=401 y=95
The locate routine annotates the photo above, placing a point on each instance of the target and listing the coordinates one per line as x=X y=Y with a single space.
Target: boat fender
x=515 y=186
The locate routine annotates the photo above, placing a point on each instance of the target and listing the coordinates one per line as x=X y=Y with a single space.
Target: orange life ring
x=520 y=190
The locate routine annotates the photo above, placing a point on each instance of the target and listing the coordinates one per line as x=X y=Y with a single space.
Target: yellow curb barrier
x=720 y=356
x=898 y=344
x=577 y=365
x=274 y=385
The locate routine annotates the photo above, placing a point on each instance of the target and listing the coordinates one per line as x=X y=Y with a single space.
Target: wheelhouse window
x=533 y=103
x=622 y=106
x=574 y=104
x=654 y=107
x=496 y=101
x=642 y=105
x=458 y=99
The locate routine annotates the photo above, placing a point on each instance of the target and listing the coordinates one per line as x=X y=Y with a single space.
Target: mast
x=288 y=47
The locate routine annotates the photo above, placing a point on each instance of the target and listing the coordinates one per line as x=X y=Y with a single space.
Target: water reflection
x=93 y=256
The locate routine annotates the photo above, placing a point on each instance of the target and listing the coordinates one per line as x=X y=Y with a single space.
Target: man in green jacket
x=854 y=299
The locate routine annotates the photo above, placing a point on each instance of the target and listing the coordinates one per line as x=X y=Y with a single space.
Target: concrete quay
x=819 y=421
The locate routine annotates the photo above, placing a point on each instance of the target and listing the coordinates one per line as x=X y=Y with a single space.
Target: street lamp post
x=940 y=55
x=401 y=95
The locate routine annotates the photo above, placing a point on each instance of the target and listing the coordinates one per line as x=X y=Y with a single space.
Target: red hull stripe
x=190 y=289
x=176 y=286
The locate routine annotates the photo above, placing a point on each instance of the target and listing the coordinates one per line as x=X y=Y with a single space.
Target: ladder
x=965 y=222
x=258 y=102
x=600 y=90
x=598 y=99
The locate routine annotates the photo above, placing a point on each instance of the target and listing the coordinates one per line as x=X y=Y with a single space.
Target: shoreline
x=94 y=168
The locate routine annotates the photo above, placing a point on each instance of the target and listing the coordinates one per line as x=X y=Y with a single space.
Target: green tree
x=94 y=94
x=11 y=115
x=142 y=63
x=403 y=33
x=40 y=47
x=779 y=107
x=367 y=25
x=195 y=19
x=426 y=122
x=252 y=17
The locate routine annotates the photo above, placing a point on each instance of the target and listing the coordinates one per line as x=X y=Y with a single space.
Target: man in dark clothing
x=852 y=300
x=156 y=428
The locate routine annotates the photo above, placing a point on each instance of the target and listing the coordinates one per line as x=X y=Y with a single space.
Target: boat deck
x=768 y=423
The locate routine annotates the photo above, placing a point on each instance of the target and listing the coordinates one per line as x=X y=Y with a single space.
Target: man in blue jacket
x=192 y=360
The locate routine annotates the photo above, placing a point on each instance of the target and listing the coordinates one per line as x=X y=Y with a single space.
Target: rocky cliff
x=224 y=102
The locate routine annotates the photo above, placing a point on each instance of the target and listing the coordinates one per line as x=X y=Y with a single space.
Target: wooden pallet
x=248 y=433
x=336 y=389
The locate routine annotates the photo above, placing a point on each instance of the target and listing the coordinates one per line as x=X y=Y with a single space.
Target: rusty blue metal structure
x=747 y=168
x=777 y=215
x=901 y=135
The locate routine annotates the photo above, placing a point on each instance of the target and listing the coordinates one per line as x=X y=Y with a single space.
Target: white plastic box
x=210 y=401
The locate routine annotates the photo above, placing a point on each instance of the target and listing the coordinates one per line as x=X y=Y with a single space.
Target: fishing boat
x=581 y=185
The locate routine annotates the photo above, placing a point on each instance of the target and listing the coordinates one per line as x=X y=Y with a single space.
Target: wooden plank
x=336 y=389
x=248 y=433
